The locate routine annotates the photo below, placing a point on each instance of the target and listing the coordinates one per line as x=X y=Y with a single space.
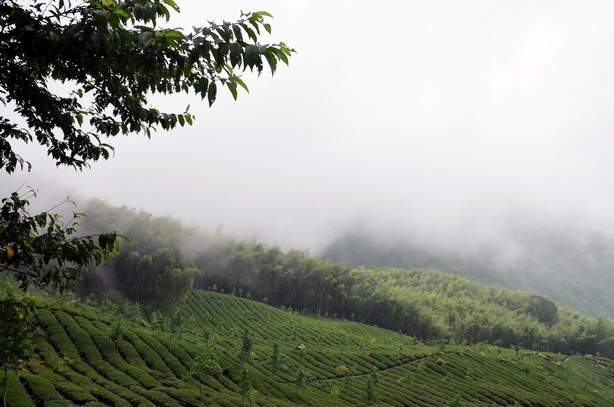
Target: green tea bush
x=41 y=390
x=80 y=362
x=16 y=393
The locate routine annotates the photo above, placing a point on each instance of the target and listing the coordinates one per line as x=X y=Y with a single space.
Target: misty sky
x=443 y=118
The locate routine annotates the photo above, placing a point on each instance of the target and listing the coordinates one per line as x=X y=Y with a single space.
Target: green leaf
x=227 y=34
x=239 y=81
x=252 y=57
x=173 y=5
x=173 y=34
x=232 y=86
x=203 y=85
x=254 y=22
x=264 y=13
x=236 y=54
x=97 y=257
x=137 y=11
x=211 y=94
x=281 y=55
x=237 y=31
x=102 y=240
x=250 y=33
x=119 y=11
x=271 y=59
x=36 y=302
x=102 y=13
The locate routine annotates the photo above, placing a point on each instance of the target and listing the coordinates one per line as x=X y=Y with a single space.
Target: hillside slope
x=572 y=267
x=83 y=358
x=164 y=259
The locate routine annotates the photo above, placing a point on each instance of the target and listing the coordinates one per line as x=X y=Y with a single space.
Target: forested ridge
x=164 y=259
x=574 y=267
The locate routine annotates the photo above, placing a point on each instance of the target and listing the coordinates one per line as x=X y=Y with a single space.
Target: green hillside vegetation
x=231 y=351
x=164 y=259
x=572 y=266
x=464 y=310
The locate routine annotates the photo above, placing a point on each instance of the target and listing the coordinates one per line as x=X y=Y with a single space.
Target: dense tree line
x=472 y=312
x=150 y=268
x=164 y=259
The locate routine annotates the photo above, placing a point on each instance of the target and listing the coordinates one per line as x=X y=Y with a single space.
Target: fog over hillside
x=472 y=129
x=573 y=266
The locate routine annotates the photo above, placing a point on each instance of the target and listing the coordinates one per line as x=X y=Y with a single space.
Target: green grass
x=79 y=362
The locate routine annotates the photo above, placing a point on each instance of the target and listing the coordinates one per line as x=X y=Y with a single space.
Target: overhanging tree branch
x=113 y=55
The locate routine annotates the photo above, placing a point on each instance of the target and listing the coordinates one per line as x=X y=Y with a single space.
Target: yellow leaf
x=9 y=252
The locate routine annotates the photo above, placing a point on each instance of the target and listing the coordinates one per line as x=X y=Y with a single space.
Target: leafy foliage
x=153 y=278
x=16 y=330
x=246 y=346
x=245 y=386
x=41 y=250
x=301 y=381
x=276 y=362
x=111 y=56
x=369 y=395
x=205 y=366
x=149 y=269
x=543 y=309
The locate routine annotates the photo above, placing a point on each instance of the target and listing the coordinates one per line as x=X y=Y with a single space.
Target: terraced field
x=81 y=360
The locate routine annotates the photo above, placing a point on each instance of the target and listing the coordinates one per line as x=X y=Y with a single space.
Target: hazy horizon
x=447 y=121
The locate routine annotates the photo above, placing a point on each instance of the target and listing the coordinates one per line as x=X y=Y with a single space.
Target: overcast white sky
x=437 y=116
